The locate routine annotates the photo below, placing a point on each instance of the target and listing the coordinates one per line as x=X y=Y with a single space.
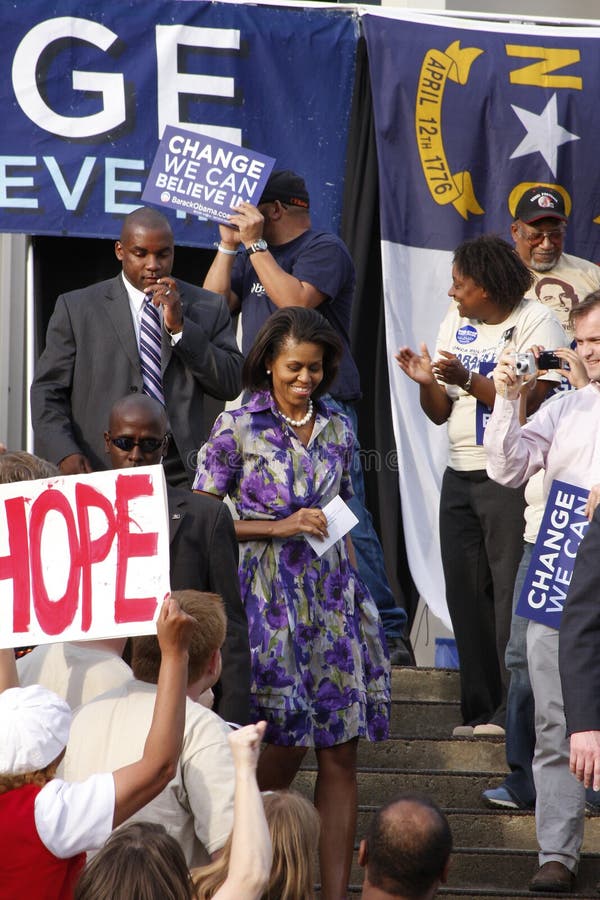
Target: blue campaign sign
x=549 y=575
x=204 y=176
x=89 y=88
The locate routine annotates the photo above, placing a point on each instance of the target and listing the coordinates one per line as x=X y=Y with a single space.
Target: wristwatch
x=257 y=247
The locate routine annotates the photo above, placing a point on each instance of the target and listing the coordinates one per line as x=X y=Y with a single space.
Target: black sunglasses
x=146 y=445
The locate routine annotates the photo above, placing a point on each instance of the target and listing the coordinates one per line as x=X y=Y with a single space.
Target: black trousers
x=481 y=535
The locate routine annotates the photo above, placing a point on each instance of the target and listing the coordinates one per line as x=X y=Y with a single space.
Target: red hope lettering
x=91 y=551
x=53 y=615
x=128 y=609
x=16 y=564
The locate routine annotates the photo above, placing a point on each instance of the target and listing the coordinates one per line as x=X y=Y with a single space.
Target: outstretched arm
x=251 y=854
x=435 y=402
x=140 y=782
x=218 y=277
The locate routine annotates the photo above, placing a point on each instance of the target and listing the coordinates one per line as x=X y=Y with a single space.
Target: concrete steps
x=495 y=851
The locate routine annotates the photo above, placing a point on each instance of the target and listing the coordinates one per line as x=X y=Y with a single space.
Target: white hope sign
x=83 y=557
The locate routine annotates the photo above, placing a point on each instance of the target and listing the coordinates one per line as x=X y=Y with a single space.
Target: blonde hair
x=294 y=826
x=18 y=465
x=40 y=777
x=208 y=635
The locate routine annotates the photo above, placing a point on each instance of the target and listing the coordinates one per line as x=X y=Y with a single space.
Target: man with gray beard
x=539 y=230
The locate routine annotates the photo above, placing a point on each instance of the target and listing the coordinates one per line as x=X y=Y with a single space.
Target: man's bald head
x=147 y=218
x=145 y=409
x=137 y=432
x=407 y=849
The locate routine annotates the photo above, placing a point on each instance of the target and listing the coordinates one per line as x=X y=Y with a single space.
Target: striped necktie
x=150 y=340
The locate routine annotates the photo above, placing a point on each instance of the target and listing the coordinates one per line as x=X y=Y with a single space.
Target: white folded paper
x=340 y=519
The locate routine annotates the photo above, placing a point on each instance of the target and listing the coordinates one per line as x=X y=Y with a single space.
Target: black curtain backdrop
x=361 y=232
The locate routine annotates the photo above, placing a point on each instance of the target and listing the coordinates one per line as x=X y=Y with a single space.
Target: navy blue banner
x=89 y=87
x=467 y=119
x=550 y=571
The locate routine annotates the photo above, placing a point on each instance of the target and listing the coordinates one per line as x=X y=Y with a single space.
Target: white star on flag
x=544 y=134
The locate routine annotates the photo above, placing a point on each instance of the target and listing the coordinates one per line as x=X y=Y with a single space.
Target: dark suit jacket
x=91 y=360
x=204 y=556
x=579 y=637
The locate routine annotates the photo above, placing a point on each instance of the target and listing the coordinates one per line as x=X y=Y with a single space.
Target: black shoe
x=401 y=652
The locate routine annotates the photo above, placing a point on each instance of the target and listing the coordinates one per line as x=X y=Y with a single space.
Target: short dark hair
x=18 y=465
x=496 y=267
x=208 y=635
x=408 y=845
x=300 y=325
x=145 y=217
x=138 y=860
x=589 y=302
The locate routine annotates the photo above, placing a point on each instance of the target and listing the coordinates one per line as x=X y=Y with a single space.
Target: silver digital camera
x=525 y=363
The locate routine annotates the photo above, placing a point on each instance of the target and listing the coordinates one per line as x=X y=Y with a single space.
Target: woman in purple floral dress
x=320 y=670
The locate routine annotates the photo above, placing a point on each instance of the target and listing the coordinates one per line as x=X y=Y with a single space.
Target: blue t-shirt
x=320 y=258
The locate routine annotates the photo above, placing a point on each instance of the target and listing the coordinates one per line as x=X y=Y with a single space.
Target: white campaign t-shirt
x=478 y=346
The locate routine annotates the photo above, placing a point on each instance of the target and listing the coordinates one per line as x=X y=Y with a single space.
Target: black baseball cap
x=287 y=187
x=541 y=203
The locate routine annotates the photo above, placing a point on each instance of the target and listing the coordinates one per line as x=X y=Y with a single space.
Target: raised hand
x=418 y=367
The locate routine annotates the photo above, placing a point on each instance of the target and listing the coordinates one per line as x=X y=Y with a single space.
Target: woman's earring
x=268 y=371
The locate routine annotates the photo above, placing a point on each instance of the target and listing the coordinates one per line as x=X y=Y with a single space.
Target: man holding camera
x=561 y=281
x=560 y=440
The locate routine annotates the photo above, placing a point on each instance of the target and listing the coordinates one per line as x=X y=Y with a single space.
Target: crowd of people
x=265 y=643
x=514 y=427
x=169 y=759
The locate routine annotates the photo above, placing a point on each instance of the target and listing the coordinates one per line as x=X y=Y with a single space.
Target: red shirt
x=27 y=867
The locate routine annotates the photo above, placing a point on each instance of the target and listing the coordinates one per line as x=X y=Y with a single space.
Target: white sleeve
x=72 y=817
x=514 y=452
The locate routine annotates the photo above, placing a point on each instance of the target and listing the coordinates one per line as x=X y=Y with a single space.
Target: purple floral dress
x=320 y=669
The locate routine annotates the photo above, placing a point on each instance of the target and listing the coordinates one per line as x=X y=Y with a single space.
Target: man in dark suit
x=93 y=354
x=203 y=548
x=579 y=661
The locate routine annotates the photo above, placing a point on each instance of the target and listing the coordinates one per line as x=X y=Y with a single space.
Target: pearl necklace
x=298 y=423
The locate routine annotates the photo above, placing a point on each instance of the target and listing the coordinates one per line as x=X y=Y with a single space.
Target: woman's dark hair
x=496 y=267
x=299 y=325
x=138 y=860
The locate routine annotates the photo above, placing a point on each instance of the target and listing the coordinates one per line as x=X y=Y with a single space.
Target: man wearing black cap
x=269 y=258
x=539 y=232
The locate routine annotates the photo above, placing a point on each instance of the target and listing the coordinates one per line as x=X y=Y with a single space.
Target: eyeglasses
x=536 y=237
x=146 y=445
